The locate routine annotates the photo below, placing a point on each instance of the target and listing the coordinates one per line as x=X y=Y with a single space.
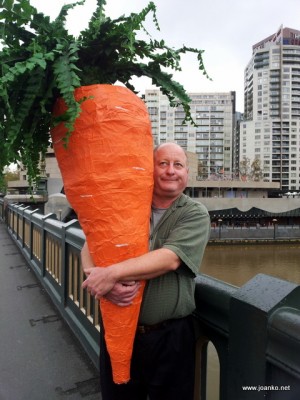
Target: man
x=163 y=360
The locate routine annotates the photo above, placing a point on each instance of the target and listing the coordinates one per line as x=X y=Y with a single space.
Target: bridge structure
x=255 y=329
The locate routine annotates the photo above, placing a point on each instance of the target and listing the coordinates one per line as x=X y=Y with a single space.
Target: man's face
x=170 y=171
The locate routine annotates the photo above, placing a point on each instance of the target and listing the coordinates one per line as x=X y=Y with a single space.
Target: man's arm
x=100 y=281
x=86 y=259
x=122 y=293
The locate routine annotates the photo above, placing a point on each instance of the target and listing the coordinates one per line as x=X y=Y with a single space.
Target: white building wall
x=272 y=108
x=211 y=139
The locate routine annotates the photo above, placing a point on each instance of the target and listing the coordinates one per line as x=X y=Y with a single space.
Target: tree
x=41 y=61
x=256 y=170
x=9 y=175
x=250 y=170
x=245 y=168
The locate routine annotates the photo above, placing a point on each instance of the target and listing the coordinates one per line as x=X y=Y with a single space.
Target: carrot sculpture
x=107 y=174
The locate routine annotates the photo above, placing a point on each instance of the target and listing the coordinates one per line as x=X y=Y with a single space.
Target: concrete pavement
x=40 y=357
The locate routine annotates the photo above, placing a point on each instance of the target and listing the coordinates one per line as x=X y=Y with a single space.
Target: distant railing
x=269 y=233
x=255 y=329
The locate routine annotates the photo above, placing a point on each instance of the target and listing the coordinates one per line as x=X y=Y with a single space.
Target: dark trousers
x=162 y=366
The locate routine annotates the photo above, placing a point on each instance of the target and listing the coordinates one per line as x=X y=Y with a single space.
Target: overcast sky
x=225 y=29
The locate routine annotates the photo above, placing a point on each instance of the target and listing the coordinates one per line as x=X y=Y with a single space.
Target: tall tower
x=212 y=137
x=270 y=131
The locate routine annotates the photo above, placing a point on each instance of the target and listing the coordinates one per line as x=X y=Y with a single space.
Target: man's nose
x=171 y=169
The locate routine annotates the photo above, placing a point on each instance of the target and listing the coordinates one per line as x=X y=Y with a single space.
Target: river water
x=237 y=264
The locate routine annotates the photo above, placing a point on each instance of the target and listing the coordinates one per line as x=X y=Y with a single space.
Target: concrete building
x=51 y=180
x=212 y=139
x=270 y=131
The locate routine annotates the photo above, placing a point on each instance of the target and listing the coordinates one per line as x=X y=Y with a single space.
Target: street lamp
x=220 y=225
x=274 y=225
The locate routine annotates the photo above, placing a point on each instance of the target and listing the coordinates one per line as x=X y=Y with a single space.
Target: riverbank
x=235 y=241
x=255 y=234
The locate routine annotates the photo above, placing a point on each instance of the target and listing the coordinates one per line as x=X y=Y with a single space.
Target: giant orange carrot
x=107 y=172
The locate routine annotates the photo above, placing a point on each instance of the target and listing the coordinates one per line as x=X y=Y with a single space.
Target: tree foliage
x=41 y=61
x=244 y=168
x=251 y=170
x=256 y=170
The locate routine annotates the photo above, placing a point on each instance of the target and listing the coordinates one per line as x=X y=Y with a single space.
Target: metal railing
x=255 y=329
x=52 y=249
x=269 y=233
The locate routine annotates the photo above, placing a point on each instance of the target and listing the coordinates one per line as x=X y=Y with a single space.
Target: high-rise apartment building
x=212 y=137
x=270 y=131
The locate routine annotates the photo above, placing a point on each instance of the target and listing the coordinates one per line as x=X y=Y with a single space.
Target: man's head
x=170 y=171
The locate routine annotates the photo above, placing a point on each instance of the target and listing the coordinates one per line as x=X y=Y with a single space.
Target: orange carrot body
x=107 y=170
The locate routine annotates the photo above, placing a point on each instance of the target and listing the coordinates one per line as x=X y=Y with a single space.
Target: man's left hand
x=123 y=293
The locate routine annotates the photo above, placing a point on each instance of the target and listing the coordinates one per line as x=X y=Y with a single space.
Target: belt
x=155 y=327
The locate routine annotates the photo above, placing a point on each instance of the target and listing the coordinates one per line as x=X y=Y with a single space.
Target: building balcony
x=275 y=176
x=217 y=116
x=275 y=80
x=290 y=59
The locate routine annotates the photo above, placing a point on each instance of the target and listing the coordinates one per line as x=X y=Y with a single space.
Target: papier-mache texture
x=107 y=171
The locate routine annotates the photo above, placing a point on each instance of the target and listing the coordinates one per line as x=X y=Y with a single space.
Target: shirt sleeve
x=190 y=235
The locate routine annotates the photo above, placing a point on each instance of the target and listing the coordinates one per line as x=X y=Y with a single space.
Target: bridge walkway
x=40 y=357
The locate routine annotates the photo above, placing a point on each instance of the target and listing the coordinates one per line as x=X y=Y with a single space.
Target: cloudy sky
x=225 y=29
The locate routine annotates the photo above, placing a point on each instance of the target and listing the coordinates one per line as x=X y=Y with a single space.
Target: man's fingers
x=129 y=283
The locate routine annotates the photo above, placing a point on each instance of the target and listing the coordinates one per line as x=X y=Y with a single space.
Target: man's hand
x=99 y=281
x=123 y=293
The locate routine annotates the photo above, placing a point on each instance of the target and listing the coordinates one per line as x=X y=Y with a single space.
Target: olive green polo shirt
x=184 y=228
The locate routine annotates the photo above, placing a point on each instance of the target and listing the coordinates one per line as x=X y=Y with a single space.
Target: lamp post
x=220 y=225
x=274 y=225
